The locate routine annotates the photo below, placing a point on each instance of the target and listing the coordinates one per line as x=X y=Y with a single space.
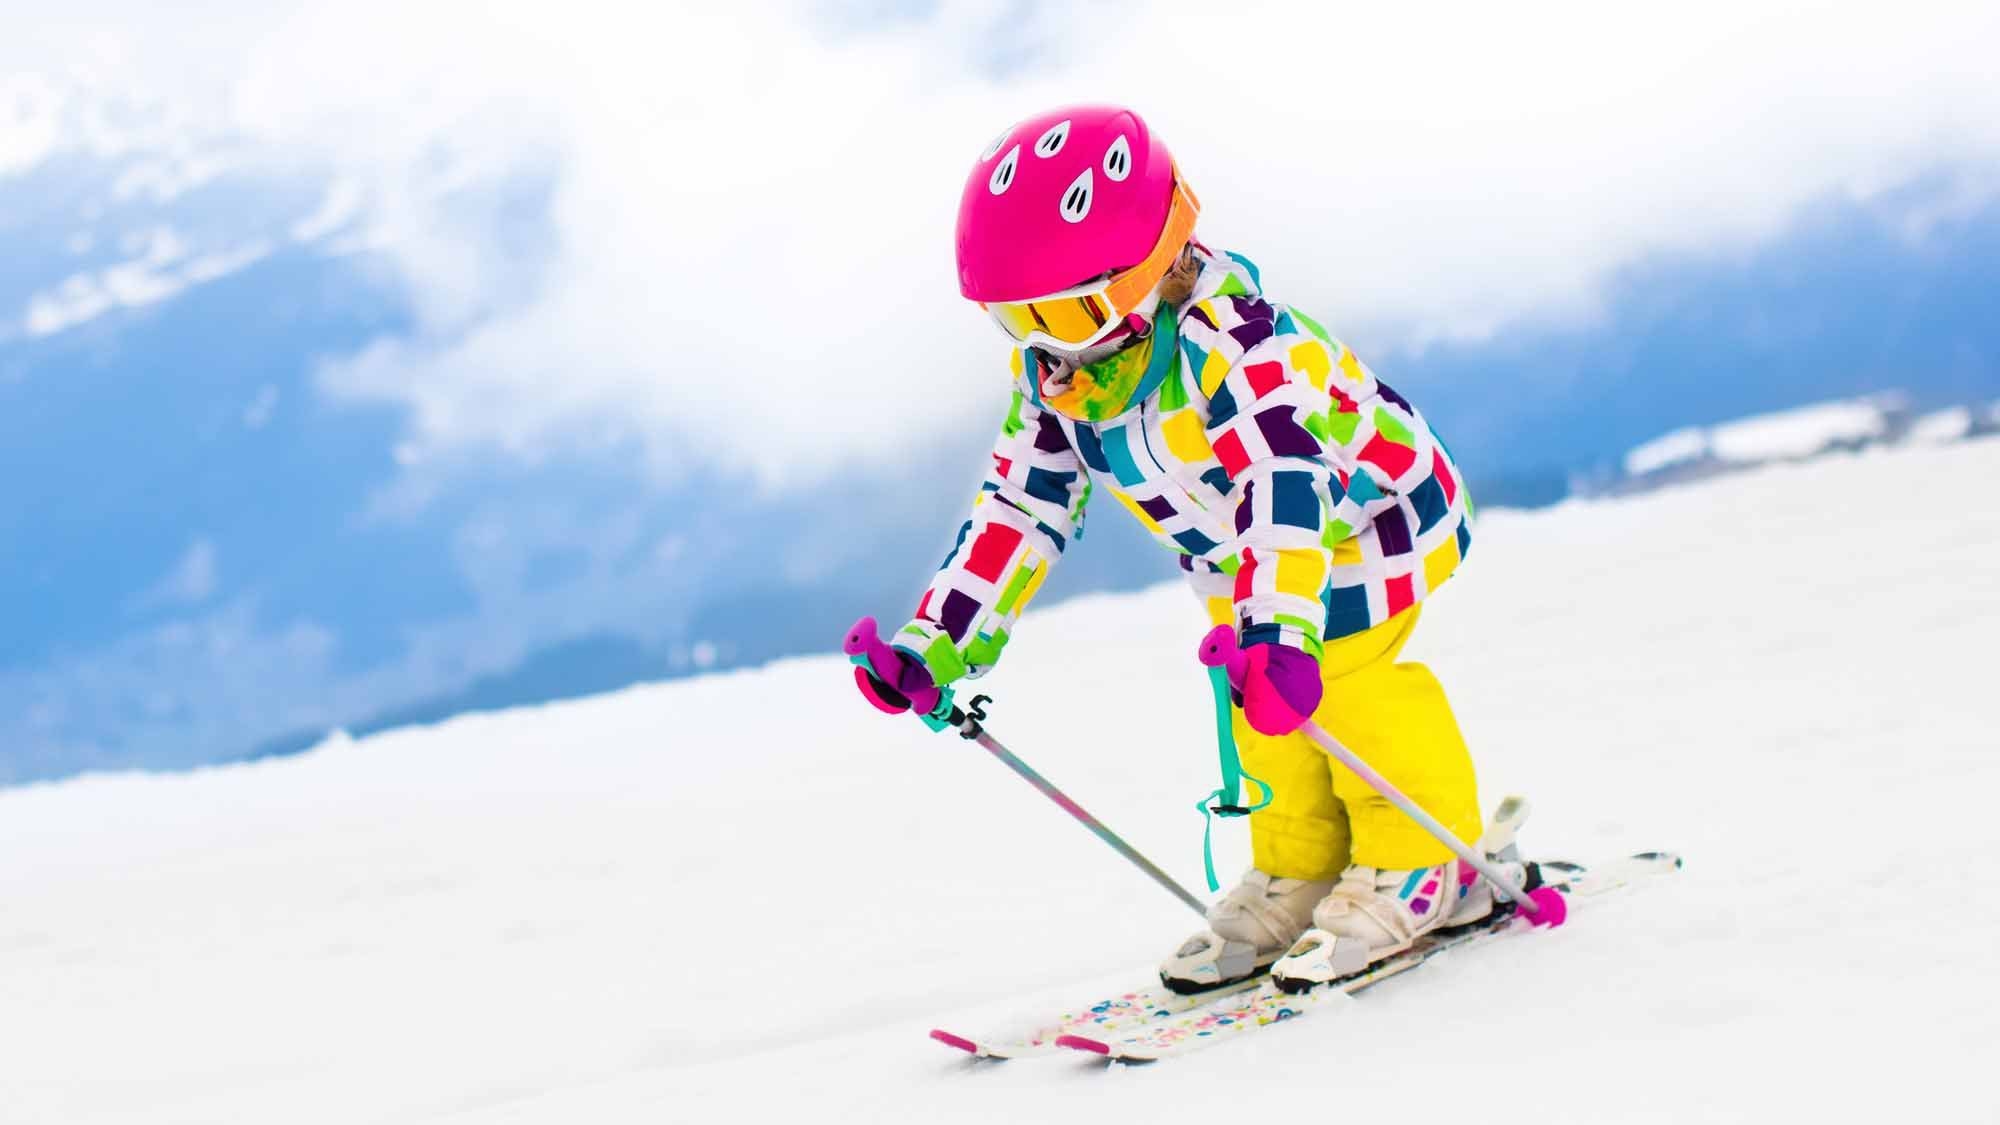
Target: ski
x=1213 y=1019
x=1120 y=1015
x=1108 y=1016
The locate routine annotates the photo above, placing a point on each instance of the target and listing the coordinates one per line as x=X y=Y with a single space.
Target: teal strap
x=1030 y=380
x=1225 y=745
x=1224 y=801
x=1261 y=788
x=1211 y=807
x=1208 y=839
x=1166 y=356
x=1225 y=736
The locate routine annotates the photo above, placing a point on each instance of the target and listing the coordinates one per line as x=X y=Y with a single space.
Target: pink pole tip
x=1551 y=908
x=1083 y=1043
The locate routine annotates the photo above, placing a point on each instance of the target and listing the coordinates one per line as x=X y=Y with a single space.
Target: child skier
x=1309 y=504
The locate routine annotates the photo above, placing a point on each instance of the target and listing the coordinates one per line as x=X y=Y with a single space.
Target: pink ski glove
x=891 y=679
x=908 y=684
x=1281 y=688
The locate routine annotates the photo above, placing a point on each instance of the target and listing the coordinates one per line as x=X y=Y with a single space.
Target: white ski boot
x=1372 y=914
x=1249 y=928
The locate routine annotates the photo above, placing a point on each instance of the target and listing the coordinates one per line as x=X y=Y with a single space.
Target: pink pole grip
x=1219 y=650
x=864 y=639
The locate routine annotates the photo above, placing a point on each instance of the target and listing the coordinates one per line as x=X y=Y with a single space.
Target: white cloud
x=161 y=269
x=747 y=258
x=191 y=581
x=29 y=128
x=77 y=299
x=163 y=179
x=138 y=281
x=337 y=208
x=257 y=414
x=208 y=267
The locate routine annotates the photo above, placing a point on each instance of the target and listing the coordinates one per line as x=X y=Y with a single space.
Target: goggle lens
x=1070 y=320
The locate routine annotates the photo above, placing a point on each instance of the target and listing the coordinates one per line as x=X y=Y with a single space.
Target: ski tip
x=1084 y=1043
x=950 y=1040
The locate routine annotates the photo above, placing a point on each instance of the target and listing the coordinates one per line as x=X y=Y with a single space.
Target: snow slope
x=747 y=897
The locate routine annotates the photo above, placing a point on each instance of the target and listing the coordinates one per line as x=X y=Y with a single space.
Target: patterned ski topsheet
x=1111 y=1016
x=1214 y=1019
x=1119 y=1015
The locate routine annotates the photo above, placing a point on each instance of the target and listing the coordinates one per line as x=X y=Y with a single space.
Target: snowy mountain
x=747 y=896
x=1797 y=434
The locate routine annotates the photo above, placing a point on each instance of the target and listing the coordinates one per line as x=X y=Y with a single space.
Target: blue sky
x=334 y=394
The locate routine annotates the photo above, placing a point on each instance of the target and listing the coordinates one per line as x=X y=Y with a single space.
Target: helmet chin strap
x=1056 y=373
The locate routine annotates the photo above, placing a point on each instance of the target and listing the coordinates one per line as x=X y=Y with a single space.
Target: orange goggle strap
x=1126 y=289
x=1075 y=318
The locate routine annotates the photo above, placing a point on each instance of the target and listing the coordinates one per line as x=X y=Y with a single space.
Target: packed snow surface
x=748 y=897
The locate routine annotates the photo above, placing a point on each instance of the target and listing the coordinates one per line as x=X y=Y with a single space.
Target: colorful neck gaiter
x=1101 y=391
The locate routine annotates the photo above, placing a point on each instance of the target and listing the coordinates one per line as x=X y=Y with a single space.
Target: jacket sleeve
x=1268 y=425
x=1028 y=507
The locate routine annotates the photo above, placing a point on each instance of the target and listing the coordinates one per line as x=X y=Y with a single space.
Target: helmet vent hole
x=1052 y=141
x=1076 y=198
x=994 y=148
x=1003 y=172
x=1118 y=159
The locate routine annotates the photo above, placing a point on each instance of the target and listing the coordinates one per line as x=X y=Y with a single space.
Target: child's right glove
x=895 y=681
x=1281 y=688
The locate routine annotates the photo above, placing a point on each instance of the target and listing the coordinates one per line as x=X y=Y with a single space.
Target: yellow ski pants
x=1396 y=718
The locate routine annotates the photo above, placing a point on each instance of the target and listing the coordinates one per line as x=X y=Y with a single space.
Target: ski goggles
x=1076 y=318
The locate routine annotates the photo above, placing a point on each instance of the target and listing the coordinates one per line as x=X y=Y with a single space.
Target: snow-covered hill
x=747 y=897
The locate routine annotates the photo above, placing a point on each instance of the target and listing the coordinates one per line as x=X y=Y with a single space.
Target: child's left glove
x=1281 y=688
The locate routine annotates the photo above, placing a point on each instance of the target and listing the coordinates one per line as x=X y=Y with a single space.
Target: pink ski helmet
x=1082 y=204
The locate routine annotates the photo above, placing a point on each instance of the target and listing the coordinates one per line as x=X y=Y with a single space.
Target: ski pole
x=864 y=643
x=1544 y=904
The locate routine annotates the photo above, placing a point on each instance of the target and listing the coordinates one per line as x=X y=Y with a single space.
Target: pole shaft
x=1095 y=825
x=865 y=647
x=1414 y=811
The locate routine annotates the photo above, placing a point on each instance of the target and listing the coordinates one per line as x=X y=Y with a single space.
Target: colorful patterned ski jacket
x=1282 y=472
